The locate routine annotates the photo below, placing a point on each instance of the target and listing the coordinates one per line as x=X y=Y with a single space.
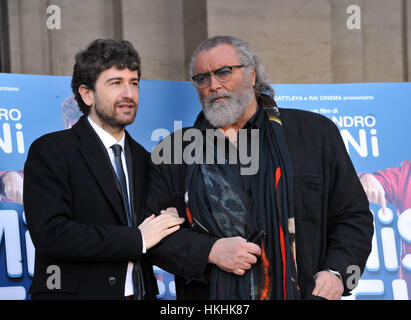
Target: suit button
x=112 y=281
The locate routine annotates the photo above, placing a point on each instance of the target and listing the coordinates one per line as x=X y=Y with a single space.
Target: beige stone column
x=155 y=27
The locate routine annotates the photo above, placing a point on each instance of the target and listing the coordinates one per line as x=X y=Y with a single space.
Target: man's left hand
x=328 y=286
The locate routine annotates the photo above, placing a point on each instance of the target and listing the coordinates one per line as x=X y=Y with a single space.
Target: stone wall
x=299 y=41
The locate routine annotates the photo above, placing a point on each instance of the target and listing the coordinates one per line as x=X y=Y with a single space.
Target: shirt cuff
x=334 y=272
x=144 y=244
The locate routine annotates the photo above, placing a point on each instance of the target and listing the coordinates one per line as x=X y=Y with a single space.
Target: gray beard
x=228 y=111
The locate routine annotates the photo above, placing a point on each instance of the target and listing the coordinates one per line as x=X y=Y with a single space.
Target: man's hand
x=328 y=286
x=374 y=190
x=171 y=210
x=13 y=186
x=156 y=228
x=234 y=254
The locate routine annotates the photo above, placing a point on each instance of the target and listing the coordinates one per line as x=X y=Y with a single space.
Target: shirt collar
x=105 y=137
x=256 y=121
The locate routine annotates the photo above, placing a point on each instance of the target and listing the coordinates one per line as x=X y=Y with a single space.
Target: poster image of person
x=393 y=186
x=11 y=181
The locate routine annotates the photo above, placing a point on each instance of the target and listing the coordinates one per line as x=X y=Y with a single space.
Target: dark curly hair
x=100 y=55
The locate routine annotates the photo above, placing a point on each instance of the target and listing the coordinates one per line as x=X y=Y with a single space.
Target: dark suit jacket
x=76 y=218
x=333 y=223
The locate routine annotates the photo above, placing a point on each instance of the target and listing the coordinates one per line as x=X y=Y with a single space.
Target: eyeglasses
x=223 y=74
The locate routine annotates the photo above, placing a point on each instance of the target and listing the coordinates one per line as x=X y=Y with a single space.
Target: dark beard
x=110 y=119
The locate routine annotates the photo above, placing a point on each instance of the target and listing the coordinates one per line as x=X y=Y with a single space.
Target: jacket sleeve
x=349 y=220
x=51 y=222
x=185 y=252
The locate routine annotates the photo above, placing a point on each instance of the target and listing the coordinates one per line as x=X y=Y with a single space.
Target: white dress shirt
x=108 y=140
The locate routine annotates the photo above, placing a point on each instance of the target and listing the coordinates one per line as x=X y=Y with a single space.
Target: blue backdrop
x=373 y=120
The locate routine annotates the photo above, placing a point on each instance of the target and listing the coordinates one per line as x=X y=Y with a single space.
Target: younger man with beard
x=84 y=189
x=291 y=230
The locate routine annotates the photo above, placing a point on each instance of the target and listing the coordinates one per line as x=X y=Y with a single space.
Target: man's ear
x=86 y=94
x=253 y=77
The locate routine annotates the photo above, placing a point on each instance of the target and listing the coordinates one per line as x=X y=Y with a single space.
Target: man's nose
x=128 y=91
x=215 y=85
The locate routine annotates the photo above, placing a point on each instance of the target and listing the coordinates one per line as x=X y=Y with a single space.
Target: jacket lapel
x=97 y=159
x=138 y=178
x=130 y=172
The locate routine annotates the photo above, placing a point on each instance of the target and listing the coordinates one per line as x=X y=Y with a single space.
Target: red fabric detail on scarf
x=282 y=238
x=266 y=280
x=277 y=176
x=282 y=243
x=190 y=218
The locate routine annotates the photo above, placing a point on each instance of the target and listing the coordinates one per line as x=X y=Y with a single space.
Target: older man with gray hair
x=292 y=230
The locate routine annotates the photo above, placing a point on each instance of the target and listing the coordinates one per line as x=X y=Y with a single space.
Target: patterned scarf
x=217 y=204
